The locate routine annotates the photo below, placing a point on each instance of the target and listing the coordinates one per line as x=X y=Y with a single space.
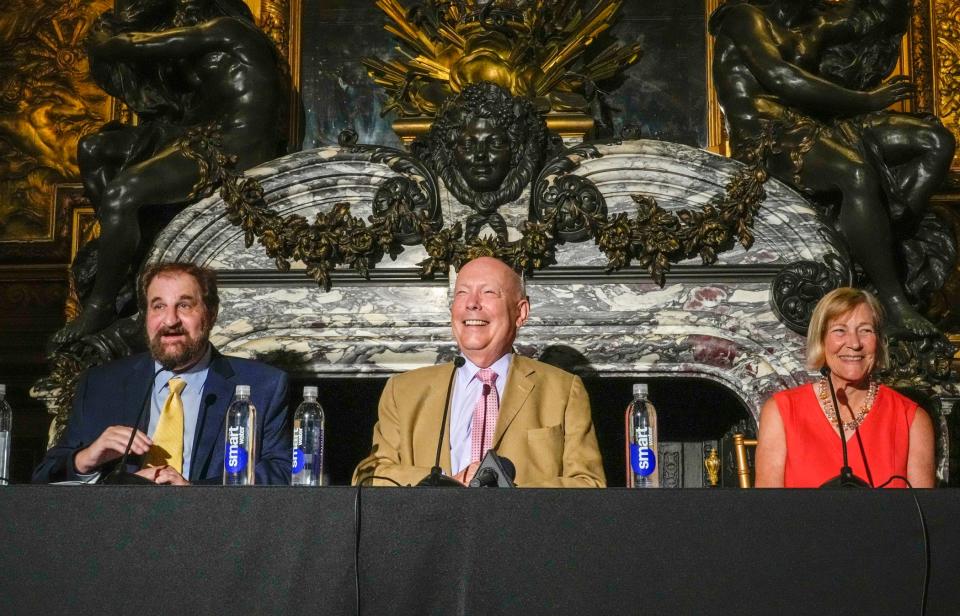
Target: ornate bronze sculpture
x=486 y=146
x=531 y=48
x=195 y=71
x=812 y=71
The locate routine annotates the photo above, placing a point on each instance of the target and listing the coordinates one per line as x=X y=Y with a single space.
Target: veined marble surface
x=725 y=332
x=786 y=230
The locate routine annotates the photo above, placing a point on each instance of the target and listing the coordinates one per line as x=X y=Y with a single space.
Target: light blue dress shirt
x=191 y=396
x=467 y=389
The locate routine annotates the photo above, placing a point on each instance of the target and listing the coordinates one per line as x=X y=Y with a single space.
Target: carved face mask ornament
x=482 y=154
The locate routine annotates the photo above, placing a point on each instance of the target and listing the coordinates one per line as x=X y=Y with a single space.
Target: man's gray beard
x=191 y=352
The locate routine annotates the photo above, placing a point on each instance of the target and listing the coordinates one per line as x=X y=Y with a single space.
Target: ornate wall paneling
x=935 y=54
x=48 y=102
x=935 y=58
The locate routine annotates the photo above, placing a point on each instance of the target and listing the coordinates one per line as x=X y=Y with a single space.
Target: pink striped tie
x=485 y=414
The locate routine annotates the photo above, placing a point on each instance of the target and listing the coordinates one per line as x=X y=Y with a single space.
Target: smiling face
x=482 y=154
x=488 y=308
x=178 y=324
x=850 y=345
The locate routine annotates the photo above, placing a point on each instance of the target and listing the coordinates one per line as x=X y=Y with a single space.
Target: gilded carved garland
x=653 y=239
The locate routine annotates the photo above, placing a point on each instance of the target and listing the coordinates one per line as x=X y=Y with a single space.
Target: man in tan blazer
x=544 y=425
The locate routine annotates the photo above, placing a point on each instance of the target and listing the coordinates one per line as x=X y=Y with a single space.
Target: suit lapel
x=135 y=396
x=431 y=413
x=217 y=393
x=521 y=380
x=135 y=390
x=445 y=462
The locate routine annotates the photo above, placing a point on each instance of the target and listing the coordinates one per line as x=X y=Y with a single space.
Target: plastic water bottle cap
x=242 y=390
x=310 y=391
x=639 y=390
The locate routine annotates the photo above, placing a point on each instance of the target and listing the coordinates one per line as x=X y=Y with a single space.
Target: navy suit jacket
x=112 y=394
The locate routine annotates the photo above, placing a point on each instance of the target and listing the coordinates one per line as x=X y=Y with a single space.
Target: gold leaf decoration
x=531 y=48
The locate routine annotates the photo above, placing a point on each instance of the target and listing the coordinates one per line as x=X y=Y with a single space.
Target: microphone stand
x=846 y=478
x=436 y=478
x=118 y=476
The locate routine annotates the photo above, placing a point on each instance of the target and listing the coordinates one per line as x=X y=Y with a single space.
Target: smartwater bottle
x=6 y=423
x=308 y=441
x=240 y=446
x=641 y=425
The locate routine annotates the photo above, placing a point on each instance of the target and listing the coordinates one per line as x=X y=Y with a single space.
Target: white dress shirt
x=467 y=389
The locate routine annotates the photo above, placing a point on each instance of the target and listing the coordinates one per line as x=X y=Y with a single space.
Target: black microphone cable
x=856 y=432
x=147 y=397
x=923 y=520
x=356 y=545
x=356 y=532
x=825 y=371
x=863 y=456
x=926 y=540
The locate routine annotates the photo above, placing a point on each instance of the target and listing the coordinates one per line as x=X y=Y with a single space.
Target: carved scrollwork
x=564 y=164
x=655 y=238
x=919 y=362
x=797 y=289
x=122 y=338
x=396 y=199
x=574 y=201
x=406 y=209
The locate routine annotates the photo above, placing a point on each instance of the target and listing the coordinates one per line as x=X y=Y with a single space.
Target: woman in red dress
x=888 y=436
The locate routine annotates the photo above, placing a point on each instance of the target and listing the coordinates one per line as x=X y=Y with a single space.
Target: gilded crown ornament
x=537 y=49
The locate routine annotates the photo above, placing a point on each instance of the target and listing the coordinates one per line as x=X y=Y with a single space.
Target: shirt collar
x=164 y=375
x=501 y=367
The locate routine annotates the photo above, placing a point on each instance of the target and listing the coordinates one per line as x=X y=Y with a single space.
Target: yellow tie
x=167 y=445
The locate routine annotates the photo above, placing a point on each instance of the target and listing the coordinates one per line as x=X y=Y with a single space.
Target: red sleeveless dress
x=813 y=446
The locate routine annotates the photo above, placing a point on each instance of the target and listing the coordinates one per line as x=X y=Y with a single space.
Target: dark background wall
x=31 y=309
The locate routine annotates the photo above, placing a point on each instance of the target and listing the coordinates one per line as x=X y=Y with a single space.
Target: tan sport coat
x=544 y=428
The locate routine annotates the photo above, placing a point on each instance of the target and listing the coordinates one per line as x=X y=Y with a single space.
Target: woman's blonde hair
x=834 y=304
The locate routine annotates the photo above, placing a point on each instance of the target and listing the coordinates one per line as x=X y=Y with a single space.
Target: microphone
x=495 y=472
x=846 y=478
x=118 y=476
x=436 y=477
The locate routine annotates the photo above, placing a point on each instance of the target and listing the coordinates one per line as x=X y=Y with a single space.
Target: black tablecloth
x=213 y=550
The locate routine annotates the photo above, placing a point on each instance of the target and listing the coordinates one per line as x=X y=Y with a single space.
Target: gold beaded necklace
x=826 y=403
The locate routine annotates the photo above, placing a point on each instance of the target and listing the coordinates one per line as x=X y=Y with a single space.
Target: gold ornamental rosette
x=543 y=50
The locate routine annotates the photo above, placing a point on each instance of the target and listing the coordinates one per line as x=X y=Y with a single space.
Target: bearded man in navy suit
x=180 y=304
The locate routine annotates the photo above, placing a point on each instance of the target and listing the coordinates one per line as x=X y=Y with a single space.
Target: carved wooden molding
x=945 y=31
